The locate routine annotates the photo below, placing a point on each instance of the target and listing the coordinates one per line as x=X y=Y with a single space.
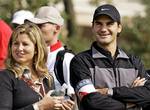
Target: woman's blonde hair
x=40 y=57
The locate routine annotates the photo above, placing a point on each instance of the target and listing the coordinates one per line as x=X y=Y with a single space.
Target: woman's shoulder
x=6 y=74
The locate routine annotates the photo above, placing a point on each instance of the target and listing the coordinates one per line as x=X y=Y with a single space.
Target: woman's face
x=23 y=50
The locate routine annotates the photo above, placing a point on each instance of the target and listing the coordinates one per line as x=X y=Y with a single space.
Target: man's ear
x=119 y=28
x=58 y=28
x=92 y=26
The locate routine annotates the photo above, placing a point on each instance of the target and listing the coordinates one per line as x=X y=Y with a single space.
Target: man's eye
x=98 y=23
x=110 y=23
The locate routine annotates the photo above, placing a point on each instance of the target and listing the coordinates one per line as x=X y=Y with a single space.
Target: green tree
x=70 y=18
x=8 y=7
x=136 y=37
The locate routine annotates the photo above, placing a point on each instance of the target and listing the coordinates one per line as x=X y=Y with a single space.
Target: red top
x=55 y=46
x=5 y=34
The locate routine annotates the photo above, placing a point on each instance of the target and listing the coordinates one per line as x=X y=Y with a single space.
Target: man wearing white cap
x=50 y=22
x=19 y=17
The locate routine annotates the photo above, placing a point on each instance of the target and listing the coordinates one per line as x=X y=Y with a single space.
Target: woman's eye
x=25 y=44
x=15 y=43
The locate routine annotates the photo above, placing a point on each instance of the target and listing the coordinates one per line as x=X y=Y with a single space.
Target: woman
x=25 y=81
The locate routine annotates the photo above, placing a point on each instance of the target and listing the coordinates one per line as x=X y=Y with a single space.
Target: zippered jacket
x=96 y=68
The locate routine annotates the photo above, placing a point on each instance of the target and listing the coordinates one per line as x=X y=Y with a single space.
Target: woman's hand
x=50 y=103
x=68 y=104
x=55 y=103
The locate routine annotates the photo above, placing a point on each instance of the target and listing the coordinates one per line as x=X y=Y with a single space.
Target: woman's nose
x=20 y=47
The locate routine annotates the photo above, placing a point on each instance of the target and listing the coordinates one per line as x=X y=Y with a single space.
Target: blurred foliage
x=96 y=2
x=76 y=43
x=8 y=7
x=70 y=17
x=79 y=43
x=135 y=37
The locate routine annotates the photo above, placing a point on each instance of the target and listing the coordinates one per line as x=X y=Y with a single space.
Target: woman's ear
x=35 y=52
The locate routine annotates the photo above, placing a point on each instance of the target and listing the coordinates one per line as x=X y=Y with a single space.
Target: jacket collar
x=55 y=46
x=98 y=52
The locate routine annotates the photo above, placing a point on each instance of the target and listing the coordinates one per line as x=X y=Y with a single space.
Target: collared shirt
x=53 y=50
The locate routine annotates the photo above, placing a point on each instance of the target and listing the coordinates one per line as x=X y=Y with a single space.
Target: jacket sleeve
x=94 y=100
x=6 y=92
x=29 y=107
x=138 y=95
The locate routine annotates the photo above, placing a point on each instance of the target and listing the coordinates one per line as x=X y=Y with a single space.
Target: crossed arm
x=137 y=82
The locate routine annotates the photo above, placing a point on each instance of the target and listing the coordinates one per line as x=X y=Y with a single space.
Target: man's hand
x=102 y=91
x=138 y=82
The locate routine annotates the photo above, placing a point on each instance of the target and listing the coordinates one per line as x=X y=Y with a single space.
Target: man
x=105 y=77
x=5 y=34
x=50 y=22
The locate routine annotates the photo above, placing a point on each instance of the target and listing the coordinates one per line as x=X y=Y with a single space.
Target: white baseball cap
x=21 y=15
x=47 y=14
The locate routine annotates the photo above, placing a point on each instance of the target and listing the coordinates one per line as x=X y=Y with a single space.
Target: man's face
x=48 y=31
x=106 y=30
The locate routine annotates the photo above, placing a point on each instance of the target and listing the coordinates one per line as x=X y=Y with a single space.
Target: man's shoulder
x=5 y=27
x=135 y=60
x=61 y=53
x=130 y=55
x=133 y=57
x=65 y=55
x=64 y=51
x=84 y=56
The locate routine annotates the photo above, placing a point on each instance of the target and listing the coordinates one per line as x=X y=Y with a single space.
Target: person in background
x=26 y=82
x=49 y=20
x=19 y=17
x=105 y=77
x=5 y=34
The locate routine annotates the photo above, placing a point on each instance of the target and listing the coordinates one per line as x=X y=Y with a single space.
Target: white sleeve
x=66 y=71
x=85 y=87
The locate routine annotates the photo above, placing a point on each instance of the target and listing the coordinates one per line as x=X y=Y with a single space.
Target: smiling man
x=105 y=77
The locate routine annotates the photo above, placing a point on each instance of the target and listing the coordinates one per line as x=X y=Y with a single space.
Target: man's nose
x=103 y=27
